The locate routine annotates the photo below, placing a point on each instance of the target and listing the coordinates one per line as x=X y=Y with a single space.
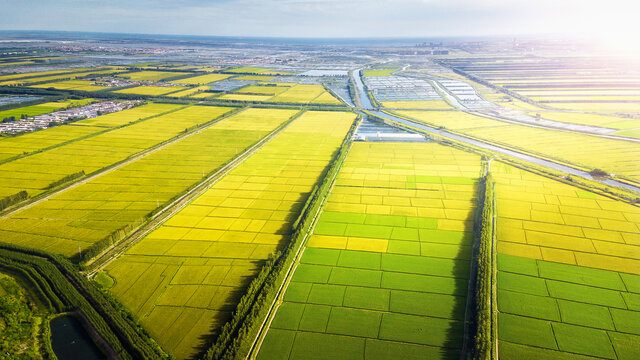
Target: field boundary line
x=277 y=301
x=181 y=202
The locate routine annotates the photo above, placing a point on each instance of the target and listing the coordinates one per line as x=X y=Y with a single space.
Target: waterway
x=70 y=341
x=366 y=104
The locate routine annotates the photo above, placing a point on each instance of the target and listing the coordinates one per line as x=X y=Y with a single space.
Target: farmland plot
x=385 y=273
x=184 y=279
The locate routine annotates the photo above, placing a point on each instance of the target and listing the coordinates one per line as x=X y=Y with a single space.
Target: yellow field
x=245 y=97
x=202 y=79
x=184 y=279
x=150 y=90
x=152 y=75
x=82 y=85
x=188 y=92
x=615 y=156
x=544 y=219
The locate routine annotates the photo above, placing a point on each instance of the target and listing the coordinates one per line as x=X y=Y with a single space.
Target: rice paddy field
x=77 y=218
x=151 y=90
x=286 y=92
x=615 y=156
x=64 y=76
x=568 y=270
x=184 y=279
x=380 y=72
x=202 y=79
x=385 y=273
x=34 y=173
x=152 y=75
x=571 y=83
x=606 y=121
x=188 y=92
x=81 y=85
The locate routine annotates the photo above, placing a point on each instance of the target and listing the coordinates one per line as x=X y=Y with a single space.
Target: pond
x=70 y=340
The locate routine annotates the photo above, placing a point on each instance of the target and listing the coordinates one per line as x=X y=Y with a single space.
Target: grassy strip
x=236 y=338
x=67 y=179
x=54 y=278
x=482 y=296
x=10 y=200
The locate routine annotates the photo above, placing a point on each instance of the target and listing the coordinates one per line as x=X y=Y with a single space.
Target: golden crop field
x=388 y=263
x=83 y=85
x=77 y=218
x=188 y=92
x=151 y=90
x=616 y=156
x=152 y=75
x=94 y=153
x=245 y=97
x=544 y=219
x=184 y=279
x=64 y=76
x=202 y=79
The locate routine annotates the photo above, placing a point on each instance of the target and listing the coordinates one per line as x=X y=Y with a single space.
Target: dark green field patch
x=319 y=256
x=509 y=350
x=386 y=220
x=527 y=331
x=315 y=346
x=626 y=321
x=445 y=251
x=297 y=292
x=632 y=282
x=516 y=264
x=367 y=298
x=314 y=318
x=446 y=236
x=586 y=294
x=424 y=283
x=340 y=217
x=426 y=304
x=580 y=275
x=389 y=350
x=330 y=228
x=422 y=223
x=399 y=233
x=312 y=273
x=403 y=247
x=425 y=265
x=359 y=259
x=355 y=277
x=522 y=283
x=368 y=231
x=325 y=294
x=354 y=322
x=585 y=315
x=582 y=340
x=627 y=346
x=276 y=343
x=421 y=330
x=540 y=307
x=288 y=316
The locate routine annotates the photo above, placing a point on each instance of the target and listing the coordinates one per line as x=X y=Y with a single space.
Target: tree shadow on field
x=459 y=337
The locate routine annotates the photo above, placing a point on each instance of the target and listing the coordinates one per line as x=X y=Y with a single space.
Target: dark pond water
x=70 y=340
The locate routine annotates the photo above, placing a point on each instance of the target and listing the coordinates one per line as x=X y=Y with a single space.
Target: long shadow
x=459 y=334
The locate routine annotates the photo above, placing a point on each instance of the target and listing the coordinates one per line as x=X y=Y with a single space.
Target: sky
x=328 y=18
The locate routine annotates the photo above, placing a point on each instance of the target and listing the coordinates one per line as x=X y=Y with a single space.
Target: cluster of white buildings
x=45 y=120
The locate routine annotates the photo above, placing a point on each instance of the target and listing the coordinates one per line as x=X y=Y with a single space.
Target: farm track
x=177 y=205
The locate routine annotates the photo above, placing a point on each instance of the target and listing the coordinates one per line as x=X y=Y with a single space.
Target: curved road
x=366 y=104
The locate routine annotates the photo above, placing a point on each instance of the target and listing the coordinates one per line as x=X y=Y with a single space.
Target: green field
x=569 y=275
x=385 y=273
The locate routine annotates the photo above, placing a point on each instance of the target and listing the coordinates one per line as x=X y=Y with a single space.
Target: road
x=366 y=105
